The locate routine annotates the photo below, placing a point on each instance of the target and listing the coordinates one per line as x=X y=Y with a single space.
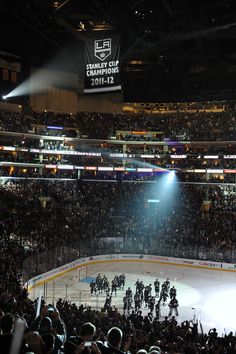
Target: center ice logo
x=102 y=48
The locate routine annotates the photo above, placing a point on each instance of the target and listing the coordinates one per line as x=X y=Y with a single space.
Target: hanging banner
x=102 y=64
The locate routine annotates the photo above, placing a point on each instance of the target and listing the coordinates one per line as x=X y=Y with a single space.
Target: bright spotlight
x=171 y=176
x=4 y=97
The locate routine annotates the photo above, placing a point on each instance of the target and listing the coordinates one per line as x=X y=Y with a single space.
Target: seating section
x=45 y=205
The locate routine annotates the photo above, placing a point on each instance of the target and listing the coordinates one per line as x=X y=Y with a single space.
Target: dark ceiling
x=167 y=37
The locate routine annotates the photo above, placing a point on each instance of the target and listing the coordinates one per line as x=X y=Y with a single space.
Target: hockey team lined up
x=142 y=298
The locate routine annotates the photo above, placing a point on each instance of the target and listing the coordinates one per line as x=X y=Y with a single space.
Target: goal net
x=79 y=273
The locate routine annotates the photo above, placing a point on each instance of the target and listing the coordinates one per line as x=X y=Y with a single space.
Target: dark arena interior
x=117 y=177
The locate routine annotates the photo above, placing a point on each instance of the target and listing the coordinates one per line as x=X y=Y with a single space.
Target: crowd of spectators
x=88 y=214
x=66 y=328
x=177 y=157
x=14 y=122
x=176 y=126
x=164 y=159
x=104 y=148
x=96 y=217
x=166 y=149
x=181 y=177
x=55 y=145
x=55 y=119
x=57 y=132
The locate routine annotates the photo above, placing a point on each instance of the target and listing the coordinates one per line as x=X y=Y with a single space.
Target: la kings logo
x=102 y=48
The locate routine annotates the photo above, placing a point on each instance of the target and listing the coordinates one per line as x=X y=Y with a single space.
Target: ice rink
x=209 y=294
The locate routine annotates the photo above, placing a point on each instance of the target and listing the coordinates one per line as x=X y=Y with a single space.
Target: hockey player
x=92 y=287
x=105 y=284
x=128 y=293
x=172 y=292
x=141 y=286
x=137 y=284
x=98 y=277
x=130 y=300
x=137 y=302
x=158 y=309
x=99 y=285
x=149 y=287
x=167 y=282
x=146 y=295
x=164 y=293
x=122 y=281
x=157 y=287
x=151 y=304
x=125 y=303
x=173 y=305
x=114 y=286
x=107 y=302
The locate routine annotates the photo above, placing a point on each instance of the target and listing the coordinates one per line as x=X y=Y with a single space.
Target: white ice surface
x=211 y=293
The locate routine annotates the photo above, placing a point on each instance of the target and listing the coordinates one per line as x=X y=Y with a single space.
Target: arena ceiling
x=163 y=37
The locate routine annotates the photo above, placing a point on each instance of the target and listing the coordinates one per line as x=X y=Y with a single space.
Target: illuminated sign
x=50 y=166
x=147 y=156
x=91 y=168
x=153 y=201
x=130 y=169
x=65 y=167
x=145 y=169
x=105 y=168
x=211 y=157
x=8 y=148
x=118 y=155
x=214 y=171
x=229 y=156
x=199 y=170
x=54 y=127
x=229 y=171
x=119 y=169
x=178 y=156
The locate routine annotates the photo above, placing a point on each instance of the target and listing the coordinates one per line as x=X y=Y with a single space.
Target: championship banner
x=102 y=64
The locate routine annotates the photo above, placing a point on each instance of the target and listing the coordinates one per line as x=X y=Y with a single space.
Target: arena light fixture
x=171 y=176
x=4 y=97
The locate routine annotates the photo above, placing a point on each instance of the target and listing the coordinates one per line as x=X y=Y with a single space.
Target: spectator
x=82 y=343
x=114 y=339
x=49 y=322
x=6 y=325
